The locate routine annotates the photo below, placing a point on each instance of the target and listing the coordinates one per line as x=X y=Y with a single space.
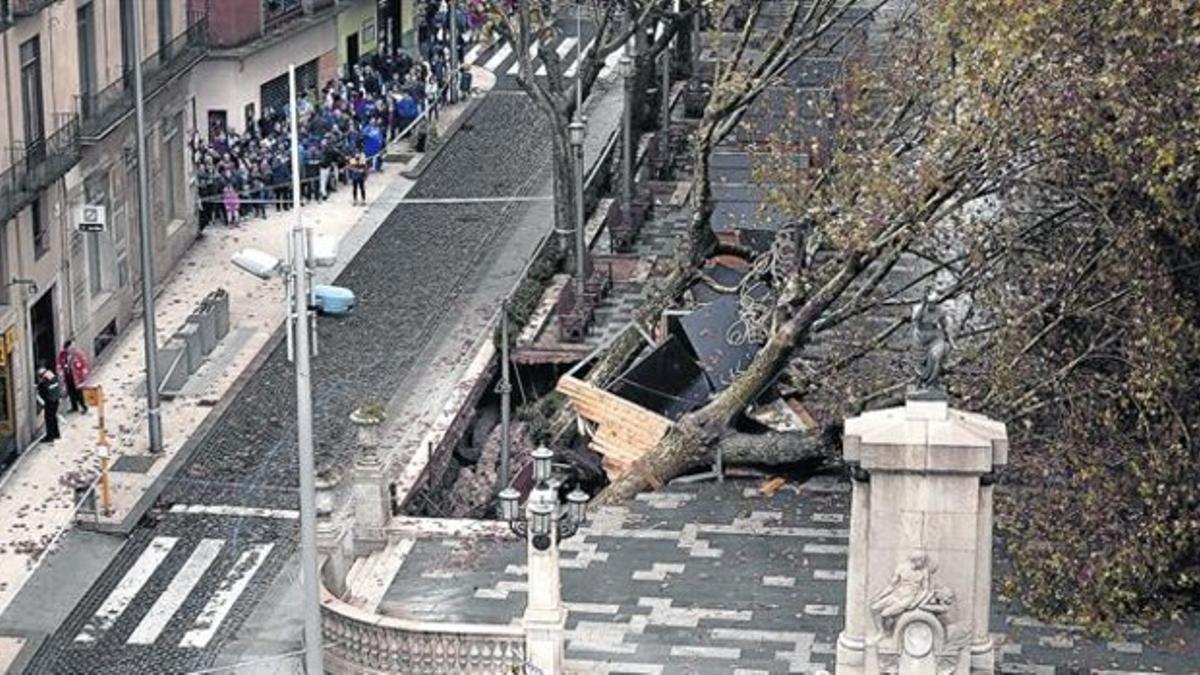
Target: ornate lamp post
x=545 y=523
x=628 y=71
x=577 y=132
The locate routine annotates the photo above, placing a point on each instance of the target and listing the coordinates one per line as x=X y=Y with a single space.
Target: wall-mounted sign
x=368 y=31
x=91 y=218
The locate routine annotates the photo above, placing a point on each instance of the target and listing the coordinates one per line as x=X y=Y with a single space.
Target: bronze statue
x=933 y=336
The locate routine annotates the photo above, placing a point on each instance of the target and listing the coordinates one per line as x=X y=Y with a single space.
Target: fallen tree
x=1036 y=165
x=809 y=27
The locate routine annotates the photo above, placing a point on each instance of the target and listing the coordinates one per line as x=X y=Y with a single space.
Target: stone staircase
x=371 y=576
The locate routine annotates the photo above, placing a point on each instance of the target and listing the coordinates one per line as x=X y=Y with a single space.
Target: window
x=98 y=244
x=85 y=21
x=31 y=98
x=128 y=46
x=164 y=29
x=41 y=233
x=95 y=265
x=173 y=178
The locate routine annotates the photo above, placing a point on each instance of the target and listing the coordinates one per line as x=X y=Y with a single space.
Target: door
x=351 y=52
x=216 y=122
x=41 y=320
x=8 y=429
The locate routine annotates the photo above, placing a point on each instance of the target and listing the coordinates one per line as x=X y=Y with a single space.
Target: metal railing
x=103 y=110
x=277 y=11
x=38 y=164
x=27 y=7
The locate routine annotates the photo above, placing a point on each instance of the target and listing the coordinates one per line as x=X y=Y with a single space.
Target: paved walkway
x=719 y=579
x=37 y=501
x=426 y=397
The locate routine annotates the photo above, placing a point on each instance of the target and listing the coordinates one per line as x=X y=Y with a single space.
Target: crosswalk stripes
x=222 y=595
x=499 y=57
x=118 y=600
x=563 y=49
x=181 y=586
x=570 y=72
x=222 y=601
x=516 y=66
x=473 y=54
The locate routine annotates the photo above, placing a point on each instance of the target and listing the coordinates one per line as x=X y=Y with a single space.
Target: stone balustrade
x=358 y=642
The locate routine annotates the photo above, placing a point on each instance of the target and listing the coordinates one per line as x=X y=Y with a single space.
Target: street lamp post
x=577 y=132
x=627 y=69
x=546 y=522
x=452 y=95
x=299 y=313
x=150 y=339
x=505 y=390
x=666 y=93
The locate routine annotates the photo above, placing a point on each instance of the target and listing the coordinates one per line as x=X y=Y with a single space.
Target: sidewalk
x=36 y=497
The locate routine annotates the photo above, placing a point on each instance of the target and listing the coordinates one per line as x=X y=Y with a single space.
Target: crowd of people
x=343 y=128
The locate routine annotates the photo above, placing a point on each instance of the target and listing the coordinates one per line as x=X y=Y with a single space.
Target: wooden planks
x=624 y=430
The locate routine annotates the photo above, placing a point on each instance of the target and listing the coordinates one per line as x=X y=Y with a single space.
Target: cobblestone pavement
x=182 y=584
x=720 y=579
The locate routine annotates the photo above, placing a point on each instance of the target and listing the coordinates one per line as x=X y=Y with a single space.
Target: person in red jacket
x=73 y=369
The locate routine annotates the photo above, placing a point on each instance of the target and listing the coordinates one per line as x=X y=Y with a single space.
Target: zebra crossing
x=500 y=58
x=209 y=557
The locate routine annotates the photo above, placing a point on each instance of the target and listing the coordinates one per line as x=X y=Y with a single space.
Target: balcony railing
x=103 y=110
x=277 y=11
x=37 y=165
x=28 y=7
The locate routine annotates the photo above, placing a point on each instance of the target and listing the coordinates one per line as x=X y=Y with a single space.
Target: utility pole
x=453 y=79
x=505 y=390
x=150 y=338
x=298 y=267
x=577 y=130
x=628 y=67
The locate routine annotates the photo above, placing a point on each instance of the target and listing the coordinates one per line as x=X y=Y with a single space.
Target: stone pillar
x=545 y=618
x=372 y=499
x=919 y=579
x=851 y=641
x=331 y=539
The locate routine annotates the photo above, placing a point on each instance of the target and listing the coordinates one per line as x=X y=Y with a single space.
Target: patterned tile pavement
x=716 y=578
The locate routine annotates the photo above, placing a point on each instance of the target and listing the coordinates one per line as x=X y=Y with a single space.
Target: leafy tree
x=534 y=37
x=1036 y=163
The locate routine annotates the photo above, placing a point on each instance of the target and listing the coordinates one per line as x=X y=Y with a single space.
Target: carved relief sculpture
x=912 y=619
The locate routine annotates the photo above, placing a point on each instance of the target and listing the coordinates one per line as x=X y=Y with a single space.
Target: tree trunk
x=700 y=237
x=692 y=250
x=564 y=190
x=688 y=443
x=775 y=448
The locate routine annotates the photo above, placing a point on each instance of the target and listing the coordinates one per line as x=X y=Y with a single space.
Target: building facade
x=254 y=41
x=68 y=139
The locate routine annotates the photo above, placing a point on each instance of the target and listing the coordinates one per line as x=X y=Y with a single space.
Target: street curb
x=151 y=495
x=159 y=485
x=430 y=155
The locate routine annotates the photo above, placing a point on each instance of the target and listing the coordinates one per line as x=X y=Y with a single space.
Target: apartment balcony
x=102 y=111
x=35 y=166
x=276 y=12
x=22 y=8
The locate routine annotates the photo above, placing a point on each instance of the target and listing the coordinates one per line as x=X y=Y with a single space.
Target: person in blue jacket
x=373 y=144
